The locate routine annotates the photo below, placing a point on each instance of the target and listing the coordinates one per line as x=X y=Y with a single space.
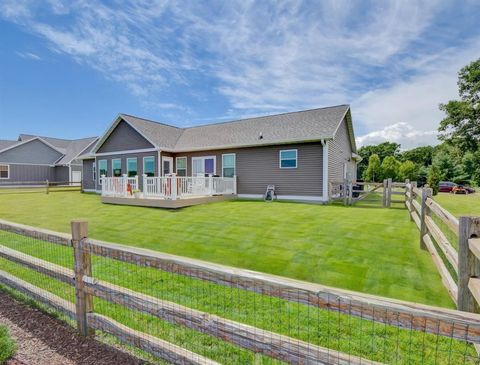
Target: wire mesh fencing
x=188 y=311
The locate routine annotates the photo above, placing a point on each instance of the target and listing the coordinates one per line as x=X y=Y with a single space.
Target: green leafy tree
x=390 y=168
x=445 y=164
x=408 y=170
x=422 y=175
x=422 y=156
x=434 y=177
x=461 y=126
x=382 y=150
x=373 y=171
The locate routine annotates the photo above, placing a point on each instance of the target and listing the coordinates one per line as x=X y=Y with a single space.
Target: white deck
x=170 y=187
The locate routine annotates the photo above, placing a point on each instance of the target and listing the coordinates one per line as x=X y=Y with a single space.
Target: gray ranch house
x=299 y=153
x=33 y=159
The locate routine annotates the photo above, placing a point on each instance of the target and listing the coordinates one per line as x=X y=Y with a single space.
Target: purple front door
x=209 y=166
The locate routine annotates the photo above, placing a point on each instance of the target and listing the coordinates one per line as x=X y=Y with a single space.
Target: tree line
x=456 y=158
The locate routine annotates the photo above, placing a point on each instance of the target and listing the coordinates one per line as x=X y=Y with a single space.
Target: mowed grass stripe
x=362 y=248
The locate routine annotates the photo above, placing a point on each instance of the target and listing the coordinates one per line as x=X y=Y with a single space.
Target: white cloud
x=404 y=133
x=412 y=103
x=263 y=58
x=29 y=55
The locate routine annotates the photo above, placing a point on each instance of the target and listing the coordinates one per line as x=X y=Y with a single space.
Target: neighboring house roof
x=76 y=148
x=70 y=149
x=4 y=144
x=301 y=126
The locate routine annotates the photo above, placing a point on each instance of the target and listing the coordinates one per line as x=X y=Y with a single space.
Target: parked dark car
x=446 y=186
x=460 y=189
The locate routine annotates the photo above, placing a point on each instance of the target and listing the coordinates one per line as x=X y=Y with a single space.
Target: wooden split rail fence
x=459 y=270
x=351 y=192
x=455 y=325
x=44 y=186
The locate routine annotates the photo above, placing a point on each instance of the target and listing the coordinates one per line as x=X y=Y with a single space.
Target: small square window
x=4 y=171
x=288 y=159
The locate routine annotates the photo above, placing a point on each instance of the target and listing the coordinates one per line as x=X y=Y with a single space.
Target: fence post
x=235 y=184
x=426 y=193
x=82 y=267
x=384 y=197
x=468 y=265
x=47 y=185
x=389 y=193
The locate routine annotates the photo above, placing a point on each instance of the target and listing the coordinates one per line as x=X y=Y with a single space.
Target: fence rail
x=44 y=186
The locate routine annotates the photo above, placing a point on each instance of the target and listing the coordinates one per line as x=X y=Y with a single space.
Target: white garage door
x=76 y=176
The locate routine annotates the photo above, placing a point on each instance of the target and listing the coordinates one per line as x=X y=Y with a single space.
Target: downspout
x=325 y=196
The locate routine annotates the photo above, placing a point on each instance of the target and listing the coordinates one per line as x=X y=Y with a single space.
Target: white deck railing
x=119 y=186
x=170 y=187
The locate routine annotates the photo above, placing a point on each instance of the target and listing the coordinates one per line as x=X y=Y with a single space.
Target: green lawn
x=460 y=204
x=7 y=346
x=361 y=248
x=365 y=249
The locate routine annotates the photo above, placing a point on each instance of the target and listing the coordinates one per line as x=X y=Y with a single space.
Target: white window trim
x=113 y=160
x=136 y=163
x=234 y=162
x=94 y=170
x=203 y=158
x=8 y=172
x=280 y=159
x=143 y=167
x=106 y=172
x=186 y=164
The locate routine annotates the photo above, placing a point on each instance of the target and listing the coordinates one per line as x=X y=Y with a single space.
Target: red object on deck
x=129 y=189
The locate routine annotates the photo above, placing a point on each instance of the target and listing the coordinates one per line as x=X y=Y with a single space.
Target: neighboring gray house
x=298 y=152
x=35 y=159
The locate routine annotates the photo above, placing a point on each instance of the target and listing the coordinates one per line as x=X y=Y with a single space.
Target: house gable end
x=33 y=151
x=123 y=138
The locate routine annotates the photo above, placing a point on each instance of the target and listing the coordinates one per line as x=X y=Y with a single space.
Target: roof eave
x=224 y=147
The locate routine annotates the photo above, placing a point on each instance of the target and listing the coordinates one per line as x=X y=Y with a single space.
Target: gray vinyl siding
x=124 y=138
x=87 y=175
x=62 y=173
x=34 y=152
x=123 y=158
x=29 y=173
x=257 y=167
x=339 y=153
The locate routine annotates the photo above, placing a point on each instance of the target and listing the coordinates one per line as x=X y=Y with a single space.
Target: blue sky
x=68 y=68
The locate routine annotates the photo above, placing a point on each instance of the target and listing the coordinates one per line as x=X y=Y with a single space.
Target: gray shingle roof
x=301 y=126
x=5 y=144
x=70 y=148
x=74 y=148
x=160 y=134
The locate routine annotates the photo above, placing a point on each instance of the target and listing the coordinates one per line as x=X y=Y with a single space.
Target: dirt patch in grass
x=44 y=340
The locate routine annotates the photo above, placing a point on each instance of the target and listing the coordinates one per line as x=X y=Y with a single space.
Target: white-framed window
x=228 y=165
x=181 y=166
x=94 y=171
x=288 y=159
x=117 y=167
x=4 y=171
x=132 y=167
x=204 y=165
x=102 y=169
x=149 y=165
